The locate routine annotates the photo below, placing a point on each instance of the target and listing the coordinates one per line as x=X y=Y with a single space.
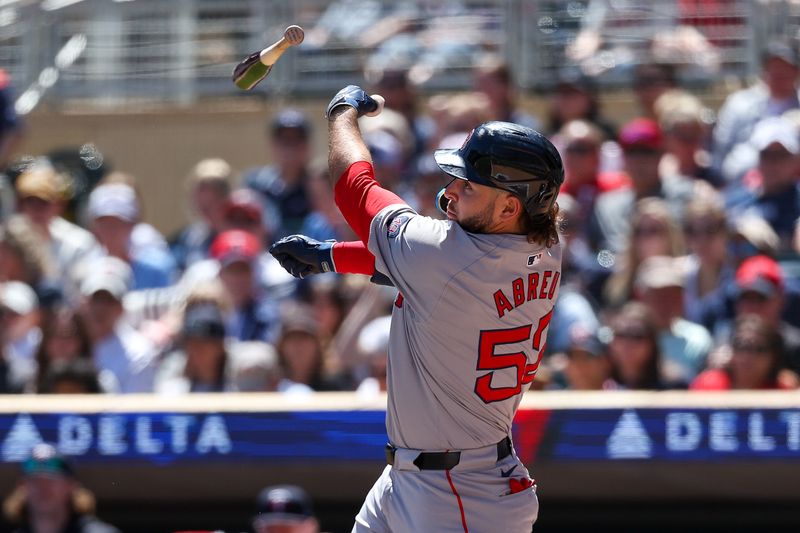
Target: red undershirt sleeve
x=359 y=197
x=353 y=258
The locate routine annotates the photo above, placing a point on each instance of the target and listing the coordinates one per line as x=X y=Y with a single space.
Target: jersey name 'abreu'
x=522 y=291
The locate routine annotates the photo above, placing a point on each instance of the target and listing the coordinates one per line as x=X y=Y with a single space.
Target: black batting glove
x=355 y=97
x=302 y=256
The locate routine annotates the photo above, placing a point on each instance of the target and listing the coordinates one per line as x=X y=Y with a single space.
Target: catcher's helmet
x=511 y=157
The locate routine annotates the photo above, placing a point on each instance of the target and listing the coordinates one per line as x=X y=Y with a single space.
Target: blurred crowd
x=681 y=267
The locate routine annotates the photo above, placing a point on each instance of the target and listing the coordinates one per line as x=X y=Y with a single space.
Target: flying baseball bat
x=257 y=65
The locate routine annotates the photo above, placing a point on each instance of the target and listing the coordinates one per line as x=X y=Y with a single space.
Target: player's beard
x=479 y=222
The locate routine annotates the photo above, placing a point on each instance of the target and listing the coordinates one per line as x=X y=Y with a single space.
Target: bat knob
x=380 y=100
x=294 y=35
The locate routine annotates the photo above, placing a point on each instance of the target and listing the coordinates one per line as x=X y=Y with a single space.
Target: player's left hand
x=302 y=256
x=356 y=97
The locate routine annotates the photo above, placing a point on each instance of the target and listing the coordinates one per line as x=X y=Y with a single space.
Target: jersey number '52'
x=489 y=360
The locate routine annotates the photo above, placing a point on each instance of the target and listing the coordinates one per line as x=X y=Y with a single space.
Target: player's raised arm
x=345 y=143
x=357 y=194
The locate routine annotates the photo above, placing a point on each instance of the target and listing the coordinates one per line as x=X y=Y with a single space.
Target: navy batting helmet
x=511 y=157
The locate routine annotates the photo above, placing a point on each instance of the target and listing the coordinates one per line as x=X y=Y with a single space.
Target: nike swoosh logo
x=506 y=473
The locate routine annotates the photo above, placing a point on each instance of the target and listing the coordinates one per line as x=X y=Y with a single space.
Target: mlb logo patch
x=534 y=259
x=395 y=224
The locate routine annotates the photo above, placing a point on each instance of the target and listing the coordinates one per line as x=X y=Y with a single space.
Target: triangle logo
x=629 y=439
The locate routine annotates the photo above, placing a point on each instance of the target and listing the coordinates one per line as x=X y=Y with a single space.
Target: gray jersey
x=468 y=328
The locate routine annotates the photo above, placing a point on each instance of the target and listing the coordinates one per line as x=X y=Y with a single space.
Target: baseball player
x=469 y=324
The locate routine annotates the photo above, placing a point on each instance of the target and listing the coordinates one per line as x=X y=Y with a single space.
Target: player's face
x=471 y=205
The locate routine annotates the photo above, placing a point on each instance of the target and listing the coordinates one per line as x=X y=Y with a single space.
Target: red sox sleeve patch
x=395 y=225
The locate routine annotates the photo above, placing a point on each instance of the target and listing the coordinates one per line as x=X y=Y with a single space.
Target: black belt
x=445 y=460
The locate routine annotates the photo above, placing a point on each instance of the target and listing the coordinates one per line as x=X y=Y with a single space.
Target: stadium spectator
x=282 y=184
x=772 y=189
x=49 y=497
x=207 y=186
x=41 y=194
x=760 y=288
x=756 y=360
x=492 y=76
x=325 y=221
x=684 y=345
x=64 y=338
x=774 y=94
x=252 y=316
x=118 y=349
x=24 y=255
x=653 y=232
x=300 y=353
x=586 y=364
x=20 y=333
x=684 y=121
x=709 y=271
x=391 y=80
x=633 y=349
x=202 y=363
x=580 y=143
x=244 y=211
x=145 y=239
x=652 y=79
x=751 y=235
x=642 y=145
x=373 y=348
x=575 y=98
x=113 y=214
x=284 y=509
x=254 y=367
x=71 y=376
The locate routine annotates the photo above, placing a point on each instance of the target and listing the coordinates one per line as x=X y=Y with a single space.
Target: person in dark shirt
x=282 y=184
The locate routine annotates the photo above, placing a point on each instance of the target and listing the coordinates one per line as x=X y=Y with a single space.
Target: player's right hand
x=302 y=256
x=356 y=97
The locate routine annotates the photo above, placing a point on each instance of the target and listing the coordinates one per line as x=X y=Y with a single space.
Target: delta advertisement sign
x=539 y=435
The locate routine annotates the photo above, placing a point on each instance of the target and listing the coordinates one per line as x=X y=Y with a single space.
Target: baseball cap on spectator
x=298 y=322
x=290 y=119
x=113 y=200
x=109 y=274
x=374 y=337
x=254 y=365
x=244 y=205
x=641 y=133
x=582 y=339
x=18 y=297
x=775 y=130
x=45 y=460
x=659 y=272
x=233 y=246
x=780 y=49
x=41 y=181
x=760 y=274
x=283 y=503
x=385 y=148
x=203 y=321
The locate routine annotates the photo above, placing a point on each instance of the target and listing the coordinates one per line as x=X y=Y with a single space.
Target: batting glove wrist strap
x=302 y=256
x=355 y=97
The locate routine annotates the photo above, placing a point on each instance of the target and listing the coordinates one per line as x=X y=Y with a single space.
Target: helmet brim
x=451 y=162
